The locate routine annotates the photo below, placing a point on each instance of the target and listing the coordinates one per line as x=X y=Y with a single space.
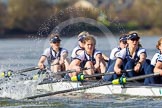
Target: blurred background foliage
x=33 y=16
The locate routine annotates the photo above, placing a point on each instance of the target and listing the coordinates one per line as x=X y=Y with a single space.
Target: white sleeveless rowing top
x=83 y=56
x=52 y=55
x=160 y=58
x=114 y=53
x=74 y=52
x=124 y=53
x=155 y=58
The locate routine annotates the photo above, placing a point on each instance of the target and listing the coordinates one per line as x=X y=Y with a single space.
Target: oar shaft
x=70 y=71
x=26 y=70
x=54 y=81
x=64 y=72
x=142 y=76
x=107 y=73
x=96 y=75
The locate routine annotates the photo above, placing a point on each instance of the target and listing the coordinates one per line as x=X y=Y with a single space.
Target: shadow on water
x=85 y=101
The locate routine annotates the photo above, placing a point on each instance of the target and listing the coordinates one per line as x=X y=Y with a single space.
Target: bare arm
x=41 y=62
x=158 y=67
x=98 y=60
x=140 y=62
x=63 y=57
x=142 y=57
x=105 y=57
x=117 y=66
x=75 y=65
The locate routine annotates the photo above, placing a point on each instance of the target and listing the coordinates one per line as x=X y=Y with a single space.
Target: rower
x=55 y=55
x=154 y=67
x=80 y=47
x=131 y=57
x=113 y=55
x=158 y=67
x=89 y=58
x=150 y=68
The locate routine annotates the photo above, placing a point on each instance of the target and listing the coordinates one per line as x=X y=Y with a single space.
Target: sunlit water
x=17 y=54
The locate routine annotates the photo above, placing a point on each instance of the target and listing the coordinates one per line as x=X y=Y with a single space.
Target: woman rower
x=113 y=55
x=55 y=55
x=131 y=57
x=80 y=47
x=154 y=60
x=155 y=66
x=89 y=58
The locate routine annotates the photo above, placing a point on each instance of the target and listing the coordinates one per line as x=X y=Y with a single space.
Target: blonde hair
x=54 y=35
x=83 y=33
x=158 y=43
x=133 y=32
x=89 y=37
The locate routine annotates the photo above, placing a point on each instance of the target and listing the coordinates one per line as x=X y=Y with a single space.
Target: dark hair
x=123 y=37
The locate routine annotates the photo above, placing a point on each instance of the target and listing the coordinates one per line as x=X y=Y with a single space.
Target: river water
x=19 y=54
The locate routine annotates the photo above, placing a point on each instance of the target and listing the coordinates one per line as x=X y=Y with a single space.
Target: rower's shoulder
x=63 y=49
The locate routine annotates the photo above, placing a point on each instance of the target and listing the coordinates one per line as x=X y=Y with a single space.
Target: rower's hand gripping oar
x=81 y=77
x=94 y=85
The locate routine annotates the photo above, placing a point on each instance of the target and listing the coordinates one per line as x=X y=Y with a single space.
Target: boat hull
x=106 y=89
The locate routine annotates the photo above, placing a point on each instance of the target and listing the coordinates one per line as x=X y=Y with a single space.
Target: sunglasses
x=55 y=42
x=134 y=39
x=124 y=42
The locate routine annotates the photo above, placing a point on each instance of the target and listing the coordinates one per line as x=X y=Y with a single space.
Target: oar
x=70 y=71
x=124 y=80
x=82 y=77
x=26 y=70
x=116 y=81
x=10 y=72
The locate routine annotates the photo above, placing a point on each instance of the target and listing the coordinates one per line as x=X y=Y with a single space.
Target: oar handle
x=143 y=76
x=128 y=70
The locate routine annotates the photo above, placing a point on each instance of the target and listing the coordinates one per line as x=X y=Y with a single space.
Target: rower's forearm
x=142 y=58
x=157 y=70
